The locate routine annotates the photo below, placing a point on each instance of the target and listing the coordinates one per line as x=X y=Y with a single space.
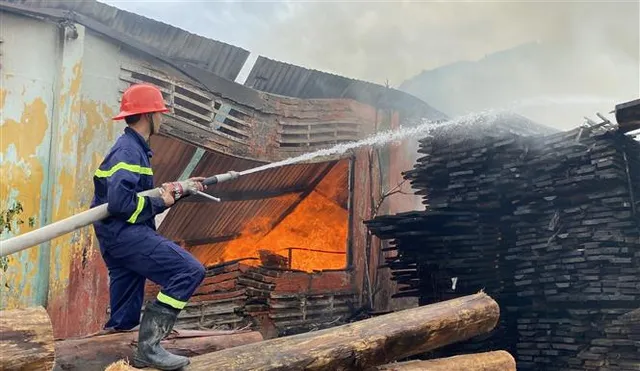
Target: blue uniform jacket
x=125 y=171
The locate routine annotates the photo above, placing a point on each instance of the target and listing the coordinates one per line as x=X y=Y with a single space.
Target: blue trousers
x=167 y=264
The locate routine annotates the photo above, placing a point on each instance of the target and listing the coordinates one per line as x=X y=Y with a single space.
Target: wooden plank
x=206 y=106
x=133 y=80
x=229 y=116
x=232 y=128
x=94 y=353
x=26 y=340
x=489 y=361
x=191 y=112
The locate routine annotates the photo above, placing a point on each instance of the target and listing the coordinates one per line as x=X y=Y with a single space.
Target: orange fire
x=317 y=223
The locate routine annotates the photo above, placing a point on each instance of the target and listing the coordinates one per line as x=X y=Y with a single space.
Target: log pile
x=357 y=346
x=221 y=299
x=549 y=226
x=369 y=343
x=94 y=353
x=274 y=301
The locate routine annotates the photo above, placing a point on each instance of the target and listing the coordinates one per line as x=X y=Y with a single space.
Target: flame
x=317 y=223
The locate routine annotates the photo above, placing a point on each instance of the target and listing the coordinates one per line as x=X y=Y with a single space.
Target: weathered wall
x=58 y=95
x=78 y=292
x=26 y=106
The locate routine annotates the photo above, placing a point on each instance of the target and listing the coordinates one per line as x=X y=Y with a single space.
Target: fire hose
x=85 y=218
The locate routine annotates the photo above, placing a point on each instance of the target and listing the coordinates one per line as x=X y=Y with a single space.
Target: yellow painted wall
x=57 y=97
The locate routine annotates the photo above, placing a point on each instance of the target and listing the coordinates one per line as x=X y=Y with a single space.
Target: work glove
x=190 y=186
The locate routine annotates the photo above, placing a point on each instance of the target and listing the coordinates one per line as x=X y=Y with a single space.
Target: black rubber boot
x=156 y=323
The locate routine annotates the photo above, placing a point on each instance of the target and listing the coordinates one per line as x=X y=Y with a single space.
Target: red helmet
x=141 y=98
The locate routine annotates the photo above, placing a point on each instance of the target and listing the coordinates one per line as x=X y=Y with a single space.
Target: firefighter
x=131 y=248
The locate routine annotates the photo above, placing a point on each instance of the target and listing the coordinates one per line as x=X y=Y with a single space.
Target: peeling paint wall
x=26 y=85
x=57 y=97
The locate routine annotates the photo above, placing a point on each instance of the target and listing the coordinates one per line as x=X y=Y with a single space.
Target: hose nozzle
x=230 y=175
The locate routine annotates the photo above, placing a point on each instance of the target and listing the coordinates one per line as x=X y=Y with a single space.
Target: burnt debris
x=547 y=225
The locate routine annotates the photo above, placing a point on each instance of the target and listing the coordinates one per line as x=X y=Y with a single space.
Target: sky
x=392 y=41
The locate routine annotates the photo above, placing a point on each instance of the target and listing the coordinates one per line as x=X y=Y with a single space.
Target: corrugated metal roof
x=222 y=59
x=285 y=79
x=170 y=157
x=199 y=221
x=189 y=220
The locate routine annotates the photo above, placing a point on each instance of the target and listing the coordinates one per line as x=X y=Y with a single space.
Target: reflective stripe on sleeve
x=134 y=216
x=124 y=166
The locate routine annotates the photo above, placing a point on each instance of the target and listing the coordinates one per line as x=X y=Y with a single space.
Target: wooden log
x=489 y=361
x=26 y=340
x=367 y=343
x=97 y=352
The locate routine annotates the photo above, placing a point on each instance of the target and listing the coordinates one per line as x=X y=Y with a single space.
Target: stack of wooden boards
x=548 y=225
x=236 y=295
x=370 y=344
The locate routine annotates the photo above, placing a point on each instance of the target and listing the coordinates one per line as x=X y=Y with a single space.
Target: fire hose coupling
x=192 y=187
x=181 y=189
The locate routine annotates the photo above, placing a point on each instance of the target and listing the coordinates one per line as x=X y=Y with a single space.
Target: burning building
x=287 y=249
x=290 y=237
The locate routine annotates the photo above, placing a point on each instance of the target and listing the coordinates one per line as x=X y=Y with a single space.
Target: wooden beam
x=628 y=115
x=489 y=361
x=94 y=353
x=26 y=340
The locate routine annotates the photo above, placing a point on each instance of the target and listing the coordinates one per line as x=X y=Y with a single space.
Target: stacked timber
x=575 y=241
x=227 y=297
x=304 y=302
x=547 y=225
x=618 y=348
x=275 y=301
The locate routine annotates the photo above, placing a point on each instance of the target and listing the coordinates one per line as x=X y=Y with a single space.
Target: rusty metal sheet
x=170 y=157
x=294 y=81
x=189 y=221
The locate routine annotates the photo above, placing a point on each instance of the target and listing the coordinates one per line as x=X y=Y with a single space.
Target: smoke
x=584 y=48
x=376 y=41
x=576 y=49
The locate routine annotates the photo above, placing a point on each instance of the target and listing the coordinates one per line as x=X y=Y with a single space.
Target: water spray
x=423 y=129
